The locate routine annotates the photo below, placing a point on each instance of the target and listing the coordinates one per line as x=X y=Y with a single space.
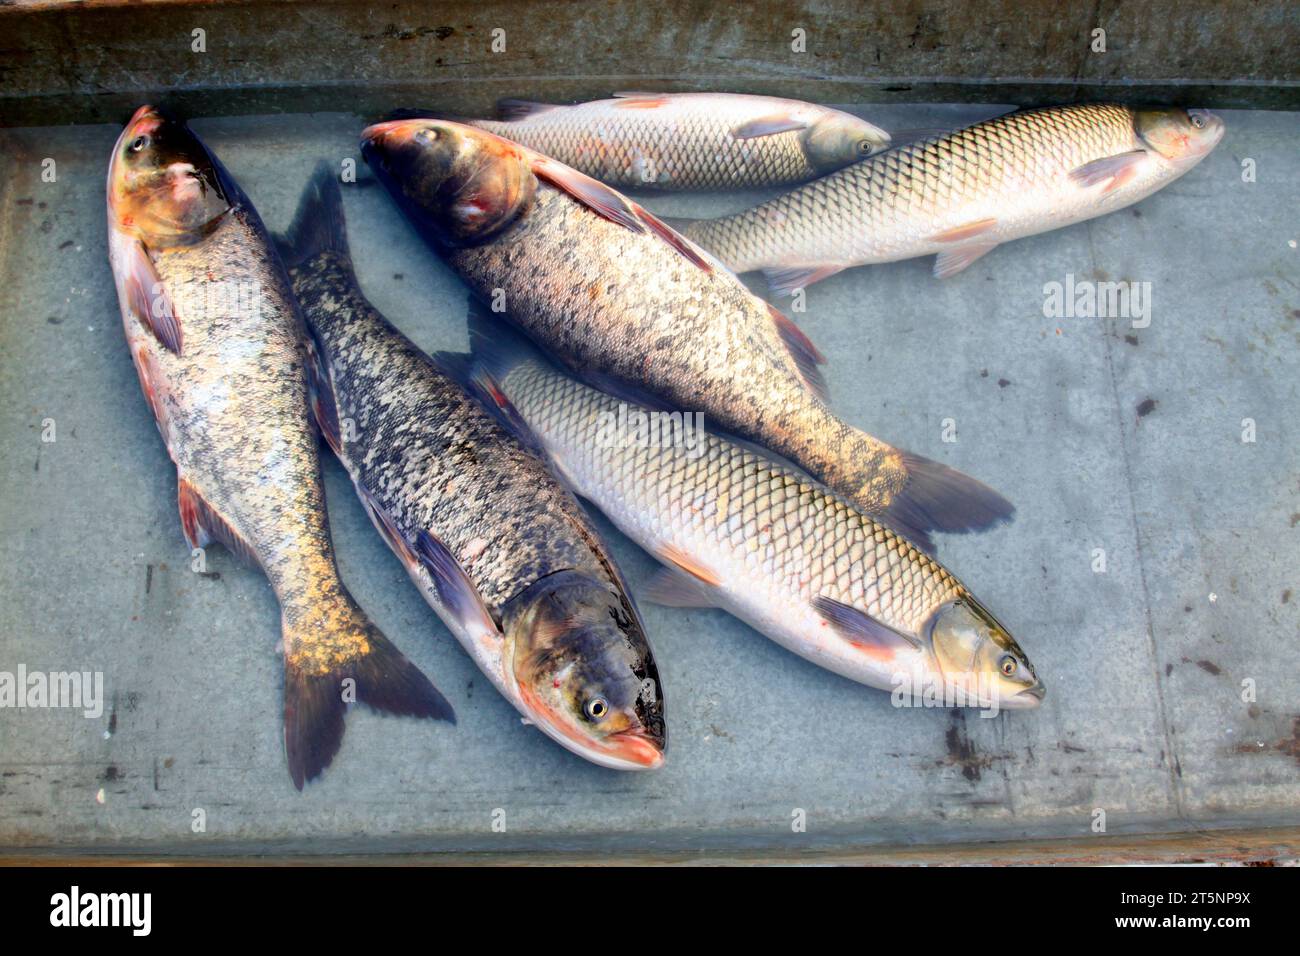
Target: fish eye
x=1008 y=665
x=864 y=146
x=139 y=143
x=597 y=708
x=426 y=134
x=1198 y=122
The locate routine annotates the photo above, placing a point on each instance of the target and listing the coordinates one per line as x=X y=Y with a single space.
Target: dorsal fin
x=510 y=110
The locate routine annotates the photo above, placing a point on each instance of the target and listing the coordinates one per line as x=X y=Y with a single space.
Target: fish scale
x=1013 y=169
x=776 y=538
x=675 y=141
x=623 y=301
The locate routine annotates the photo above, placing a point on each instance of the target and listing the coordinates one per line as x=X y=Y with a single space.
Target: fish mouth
x=1030 y=696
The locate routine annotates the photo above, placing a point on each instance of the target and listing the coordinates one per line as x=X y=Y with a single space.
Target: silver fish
x=219 y=345
x=498 y=547
x=688 y=141
x=961 y=195
x=739 y=530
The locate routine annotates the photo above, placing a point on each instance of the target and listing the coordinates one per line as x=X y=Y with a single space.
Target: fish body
x=960 y=195
x=621 y=299
x=739 y=530
x=496 y=544
x=691 y=141
x=218 y=343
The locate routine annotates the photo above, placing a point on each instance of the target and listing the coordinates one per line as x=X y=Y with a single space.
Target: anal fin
x=952 y=261
x=785 y=281
x=671 y=587
x=203 y=524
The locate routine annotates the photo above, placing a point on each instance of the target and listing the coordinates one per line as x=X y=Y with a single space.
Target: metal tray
x=1106 y=436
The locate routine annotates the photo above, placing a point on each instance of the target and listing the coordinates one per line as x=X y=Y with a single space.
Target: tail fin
x=335 y=656
x=939 y=498
x=319 y=225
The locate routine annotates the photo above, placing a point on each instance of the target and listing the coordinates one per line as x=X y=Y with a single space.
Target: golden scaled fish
x=739 y=530
x=626 y=302
x=691 y=141
x=495 y=543
x=959 y=196
x=219 y=345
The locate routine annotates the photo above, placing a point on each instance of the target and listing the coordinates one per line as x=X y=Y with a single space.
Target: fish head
x=584 y=671
x=164 y=186
x=459 y=184
x=971 y=649
x=1183 y=137
x=837 y=139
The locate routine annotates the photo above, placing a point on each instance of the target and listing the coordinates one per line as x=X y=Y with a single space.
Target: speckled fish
x=498 y=547
x=686 y=141
x=624 y=301
x=218 y=343
x=960 y=195
x=741 y=531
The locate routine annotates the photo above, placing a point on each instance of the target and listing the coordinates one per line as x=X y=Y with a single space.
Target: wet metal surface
x=1106 y=436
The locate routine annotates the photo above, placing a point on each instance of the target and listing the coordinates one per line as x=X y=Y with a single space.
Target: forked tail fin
x=318 y=225
x=936 y=497
x=333 y=657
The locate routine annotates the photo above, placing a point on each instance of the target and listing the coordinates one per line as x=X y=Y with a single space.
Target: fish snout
x=637 y=748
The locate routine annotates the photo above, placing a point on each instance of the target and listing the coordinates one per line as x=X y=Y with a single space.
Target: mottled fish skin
x=429 y=459
x=745 y=532
x=970 y=190
x=231 y=406
x=617 y=296
x=689 y=141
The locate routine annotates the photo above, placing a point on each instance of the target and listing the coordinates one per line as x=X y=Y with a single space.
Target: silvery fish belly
x=959 y=196
x=622 y=299
x=691 y=141
x=217 y=341
x=498 y=547
x=741 y=531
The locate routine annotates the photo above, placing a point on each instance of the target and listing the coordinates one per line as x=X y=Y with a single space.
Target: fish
x=500 y=549
x=629 y=305
x=691 y=141
x=219 y=346
x=960 y=195
x=736 y=529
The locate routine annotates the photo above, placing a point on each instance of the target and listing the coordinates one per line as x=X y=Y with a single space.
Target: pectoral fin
x=455 y=590
x=769 y=126
x=857 y=627
x=592 y=193
x=149 y=300
x=1115 y=171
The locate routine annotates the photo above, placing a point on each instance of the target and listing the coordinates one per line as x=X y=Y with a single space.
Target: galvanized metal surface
x=1106 y=436
x=63 y=62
